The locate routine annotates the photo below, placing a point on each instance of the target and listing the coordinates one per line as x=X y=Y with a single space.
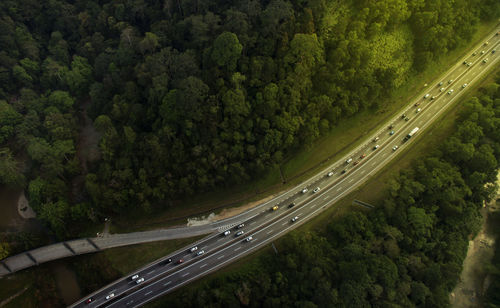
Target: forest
x=407 y=252
x=191 y=96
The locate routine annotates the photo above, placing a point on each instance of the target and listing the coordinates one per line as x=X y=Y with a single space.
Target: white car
x=418 y=110
x=427 y=95
x=248 y=239
x=240 y=233
x=348 y=161
x=110 y=296
x=199 y=253
x=376 y=139
x=464 y=85
x=193 y=249
x=482 y=52
x=451 y=91
x=304 y=190
x=241 y=226
x=376 y=147
x=295 y=218
x=469 y=64
x=395 y=148
x=432 y=98
x=139 y=280
x=134 y=277
x=485 y=60
x=450 y=81
x=227 y=232
x=316 y=189
x=441 y=90
x=330 y=173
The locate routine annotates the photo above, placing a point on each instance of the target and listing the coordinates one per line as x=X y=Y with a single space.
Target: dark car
x=168 y=261
x=180 y=261
x=343 y=171
x=89 y=300
x=291 y=205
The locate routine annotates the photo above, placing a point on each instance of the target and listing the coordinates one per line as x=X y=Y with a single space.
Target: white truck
x=413 y=132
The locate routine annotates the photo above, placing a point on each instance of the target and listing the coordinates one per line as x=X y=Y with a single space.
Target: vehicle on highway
x=168 y=261
x=482 y=52
x=465 y=62
x=486 y=43
x=193 y=249
x=138 y=281
x=295 y=218
x=474 y=53
x=427 y=95
x=134 y=277
x=432 y=98
x=356 y=162
x=418 y=110
x=376 y=139
x=275 y=208
x=343 y=171
x=469 y=64
x=485 y=60
x=407 y=119
x=227 y=232
x=89 y=300
x=316 y=189
x=199 y=253
x=180 y=261
x=239 y=233
x=348 y=161
x=248 y=239
x=391 y=132
x=241 y=226
x=450 y=81
x=441 y=90
x=394 y=148
x=376 y=147
x=413 y=132
x=403 y=116
x=493 y=51
x=110 y=296
x=362 y=156
x=391 y=126
x=451 y=91
x=291 y=205
x=330 y=173
x=440 y=84
x=304 y=190
x=417 y=103
x=464 y=85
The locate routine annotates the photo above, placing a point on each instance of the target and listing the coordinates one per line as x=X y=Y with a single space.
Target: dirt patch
x=225 y=213
x=23 y=207
x=470 y=289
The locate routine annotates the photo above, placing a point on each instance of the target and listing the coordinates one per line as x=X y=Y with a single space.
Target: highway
x=264 y=224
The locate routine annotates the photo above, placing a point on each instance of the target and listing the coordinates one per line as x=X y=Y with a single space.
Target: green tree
x=226 y=50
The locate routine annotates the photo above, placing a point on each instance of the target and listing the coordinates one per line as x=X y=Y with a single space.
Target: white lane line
x=203 y=265
x=326 y=197
x=270 y=231
x=374 y=163
x=130 y=303
x=203 y=247
x=267 y=215
x=338 y=189
x=238 y=248
x=220 y=257
x=384 y=154
x=363 y=171
x=284 y=223
x=314 y=205
x=221 y=239
x=167 y=283
x=146 y=294
x=149 y=273
x=251 y=223
x=185 y=274
x=350 y=181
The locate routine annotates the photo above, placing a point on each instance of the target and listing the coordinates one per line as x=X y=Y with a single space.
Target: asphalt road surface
x=334 y=183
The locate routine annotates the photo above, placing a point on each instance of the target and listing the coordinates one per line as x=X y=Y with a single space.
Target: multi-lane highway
x=296 y=206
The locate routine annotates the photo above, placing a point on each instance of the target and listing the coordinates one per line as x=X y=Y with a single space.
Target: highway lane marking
x=130 y=302
x=284 y=223
x=270 y=231
x=220 y=239
x=238 y=248
x=149 y=273
x=251 y=223
x=203 y=247
x=338 y=189
x=350 y=180
x=146 y=294
x=363 y=171
x=384 y=154
x=326 y=197
x=203 y=265
x=314 y=205
x=220 y=257
x=267 y=215
x=185 y=274
x=166 y=284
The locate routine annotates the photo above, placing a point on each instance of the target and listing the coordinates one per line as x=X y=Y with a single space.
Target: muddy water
x=11 y=221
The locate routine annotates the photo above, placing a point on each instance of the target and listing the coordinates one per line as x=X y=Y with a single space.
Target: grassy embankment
x=305 y=162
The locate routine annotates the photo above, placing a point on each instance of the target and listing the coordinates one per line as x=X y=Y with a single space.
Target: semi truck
x=413 y=132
